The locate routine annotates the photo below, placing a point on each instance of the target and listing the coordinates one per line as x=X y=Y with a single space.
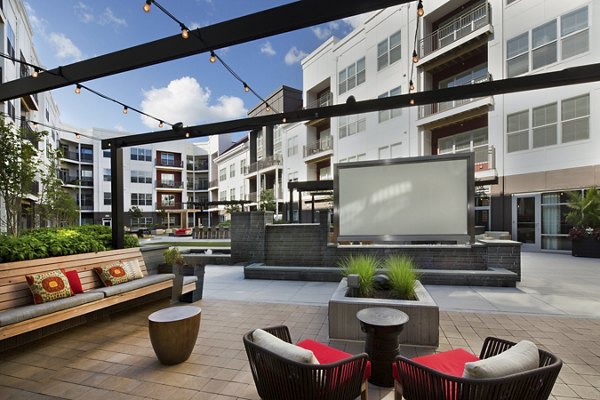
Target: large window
x=167 y=199
x=555 y=229
x=575 y=117
x=107 y=198
x=393 y=113
x=242 y=167
x=232 y=194
x=167 y=159
x=223 y=195
x=517 y=136
x=351 y=124
x=543 y=45
x=222 y=174
x=140 y=154
x=107 y=177
x=351 y=76
x=574 y=33
x=232 y=170
x=292 y=146
x=517 y=55
x=545 y=130
x=388 y=51
x=141 y=199
x=141 y=176
x=10 y=41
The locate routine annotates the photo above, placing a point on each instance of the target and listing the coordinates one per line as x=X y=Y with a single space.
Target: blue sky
x=191 y=90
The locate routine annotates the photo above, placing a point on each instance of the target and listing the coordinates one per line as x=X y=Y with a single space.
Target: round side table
x=382 y=326
x=173 y=333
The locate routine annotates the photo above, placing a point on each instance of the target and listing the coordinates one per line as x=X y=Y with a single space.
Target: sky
x=189 y=90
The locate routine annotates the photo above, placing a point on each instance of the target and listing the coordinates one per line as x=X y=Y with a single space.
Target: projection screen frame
x=411 y=239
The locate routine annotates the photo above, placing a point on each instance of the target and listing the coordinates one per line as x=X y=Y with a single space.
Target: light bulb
x=213 y=57
x=246 y=88
x=35 y=125
x=78 y=136
x=284 y=120
x=411 y=85
x=147 y=6
x=125 y=110
x=412 y=101
x=267 y=108
x=160 y=124
x=420 y=9
x=187 y=134
x=185 y=33
x=415 y=57
x=35 y=73
x=78 y=89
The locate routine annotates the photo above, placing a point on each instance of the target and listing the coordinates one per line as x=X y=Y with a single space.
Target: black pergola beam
x=570 y=76
x=274 y=21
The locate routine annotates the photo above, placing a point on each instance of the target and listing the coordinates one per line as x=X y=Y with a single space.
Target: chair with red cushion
x=338 y=376
x=439 y=377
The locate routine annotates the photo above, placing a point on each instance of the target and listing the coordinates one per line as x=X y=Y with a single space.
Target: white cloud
x=184 y=100
x=267 y=48
x=108 y=17
x=120 y=128
x=356 y=20
x=194 y=25
x=64 y=47
x=84 y=12
x=37 y=24
x=325 y=31
x=294 y=56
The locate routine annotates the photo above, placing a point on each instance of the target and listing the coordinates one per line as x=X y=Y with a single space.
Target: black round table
x=382 y=326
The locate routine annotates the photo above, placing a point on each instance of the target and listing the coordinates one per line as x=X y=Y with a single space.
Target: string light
x=125 y=109
x=147 y=6
x=187 y=134
x=213 y=57
x=411 y=85
x=284 y=120
x=267 y=108
x=35 y=73
x=160 y=124
x=412 y=101
x=420 y=9
x=77 y=89
x=35 y=125
x=246 y=88
x=185 y=32
x=78 y=136
x=415 y=57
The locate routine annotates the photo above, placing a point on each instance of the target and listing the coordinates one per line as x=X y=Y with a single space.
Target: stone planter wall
x=422 y=328
x=153 y=257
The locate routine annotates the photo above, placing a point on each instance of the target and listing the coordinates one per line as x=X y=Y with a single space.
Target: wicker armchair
x=423 y=383
x=278 y=378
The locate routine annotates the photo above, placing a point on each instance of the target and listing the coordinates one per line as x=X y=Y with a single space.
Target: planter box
x=586 y=247
x=422 y=328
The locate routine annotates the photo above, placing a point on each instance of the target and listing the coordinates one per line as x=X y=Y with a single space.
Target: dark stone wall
x=504 y=254
x=248 y=234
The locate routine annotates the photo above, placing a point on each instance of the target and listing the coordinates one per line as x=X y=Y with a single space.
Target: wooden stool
x=173 y=333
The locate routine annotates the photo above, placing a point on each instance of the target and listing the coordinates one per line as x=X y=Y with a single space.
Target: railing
x=197 y=186
x=169 y=206
x=89 y=158
x=430 y=109
x=70 y=155
x=252 y=196
x=197 y=166
x=87 y=181
x=485 y=156
x=265 y=163
x=322 y=101
x=323 y=144
x=169 y=163
x=169 y=185
x=468 y=22
x=29 y=134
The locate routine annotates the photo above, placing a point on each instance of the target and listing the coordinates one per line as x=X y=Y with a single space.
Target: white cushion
x=283 y=348
x=523 y=356
x=132 y=269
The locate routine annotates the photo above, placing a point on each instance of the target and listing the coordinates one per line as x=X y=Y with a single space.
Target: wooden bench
x=15 y=294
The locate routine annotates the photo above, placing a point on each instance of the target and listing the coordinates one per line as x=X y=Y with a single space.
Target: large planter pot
x=422 y=328
x=586 y=247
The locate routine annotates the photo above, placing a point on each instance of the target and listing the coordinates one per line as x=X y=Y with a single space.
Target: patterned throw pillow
x=133 y=270
x=48 y=286
x=112 y=274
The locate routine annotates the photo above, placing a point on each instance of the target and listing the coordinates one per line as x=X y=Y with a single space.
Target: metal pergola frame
x=292 y=16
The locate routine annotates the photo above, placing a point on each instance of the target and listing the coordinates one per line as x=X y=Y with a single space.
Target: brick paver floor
x=113 y=358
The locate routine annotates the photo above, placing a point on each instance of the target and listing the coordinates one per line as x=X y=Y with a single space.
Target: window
x=389 y=114
x=87 y=154
x=574 y=33
x=145 y=221
x=141 y=154
x=517 y=135
x=351 y=76
x=510 y=1
x=242 y=193
x=11 y=110
x=232 y=194
x=544 y=125
x=575 y=116
x=222 y=174
x=167 y=159
x=293 y=176
x=555 y=229
x=167 y=199
x=167 y=180
x=242 y=167
x=543 y=45
x=232 y=170
x=388 y=51
x=292 y=146
x=517 y=55
x=106 y=153
x=223 y=195
x=10 y=41
x=260 y=144
x=141 y=176
x=107 y=198
x=277 y=140
x=141 y=199
x=107 y=177
x=351 y=124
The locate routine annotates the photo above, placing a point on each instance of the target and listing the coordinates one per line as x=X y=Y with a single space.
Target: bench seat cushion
x=135 y=284
x=14 y=315
x=189 y=279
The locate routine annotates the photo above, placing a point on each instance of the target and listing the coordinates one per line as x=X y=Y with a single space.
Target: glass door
x=526 y=221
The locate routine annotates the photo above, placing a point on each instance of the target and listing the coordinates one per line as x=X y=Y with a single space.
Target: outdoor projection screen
x=406 y=200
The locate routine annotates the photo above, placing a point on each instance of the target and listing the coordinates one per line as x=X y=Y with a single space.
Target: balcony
x=436 y=108
x=70 y=155
x=252 y=197
x=473 y=19
x=168 y=163
x=317 y=147
x=75 y=180
x=169 y=206
x=485 y=161
x=213 y=183
x=197 y=186
x=197 y=166
x=322 y=101
x=265 y=163
x=30 y=134
x=169 y=185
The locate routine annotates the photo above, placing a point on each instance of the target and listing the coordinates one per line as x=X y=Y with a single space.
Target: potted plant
x=584 y=215
x=172 y=257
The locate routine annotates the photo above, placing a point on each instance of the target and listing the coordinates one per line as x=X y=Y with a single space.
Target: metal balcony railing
x=197 y=186
x=70 y=155
x=169 y=206
x=265 y=163
x=466 y=23
x=197 y=166
x=169 y=185
x=252 y=196
x=168 y=163
x=89 y=158
x=430 y=109
x=485 y=156
x=213 y=183
x=319 y=146
x=322 y=101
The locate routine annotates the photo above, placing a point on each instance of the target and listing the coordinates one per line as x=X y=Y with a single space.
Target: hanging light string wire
x=412 y=69
x=56 y=128
x=196 y=34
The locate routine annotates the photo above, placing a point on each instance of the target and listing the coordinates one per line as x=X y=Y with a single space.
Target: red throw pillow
x=74 y=281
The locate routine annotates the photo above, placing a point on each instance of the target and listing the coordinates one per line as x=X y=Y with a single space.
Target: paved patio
x=113 y=358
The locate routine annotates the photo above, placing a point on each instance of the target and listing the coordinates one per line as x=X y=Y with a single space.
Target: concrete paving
x=552 y=284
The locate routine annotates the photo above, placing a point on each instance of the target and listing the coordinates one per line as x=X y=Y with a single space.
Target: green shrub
x=401 y=271
x=366 y=268
x=173 y=256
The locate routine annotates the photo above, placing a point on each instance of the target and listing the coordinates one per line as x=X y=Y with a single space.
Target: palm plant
x=365 y=267
x=402 y=275
x=584 y=212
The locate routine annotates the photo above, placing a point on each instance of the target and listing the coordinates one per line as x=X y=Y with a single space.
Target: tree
x=135 y=214
x=162 y=216
x=267 y=200
x=19 y=163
